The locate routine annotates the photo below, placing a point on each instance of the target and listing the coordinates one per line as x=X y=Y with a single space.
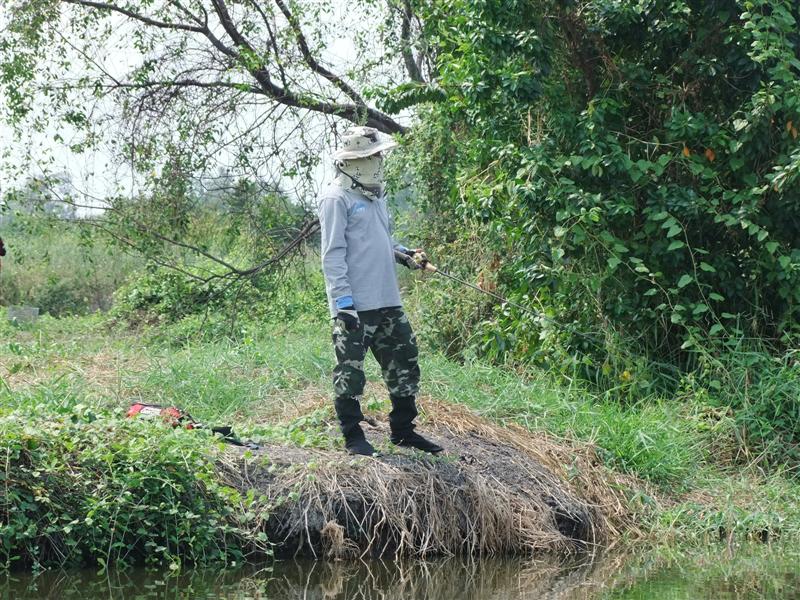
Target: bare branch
x=312 y=62
x=179 y=83
x=138 y=16
x=306 y=231
x=130 y=244
x=405 y=43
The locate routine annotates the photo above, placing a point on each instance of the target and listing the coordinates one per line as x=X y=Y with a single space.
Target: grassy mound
x=496 y=490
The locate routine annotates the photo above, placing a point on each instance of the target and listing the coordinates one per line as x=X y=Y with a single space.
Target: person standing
x=358 y=262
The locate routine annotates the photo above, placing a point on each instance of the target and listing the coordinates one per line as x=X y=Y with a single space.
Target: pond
x=718 y=572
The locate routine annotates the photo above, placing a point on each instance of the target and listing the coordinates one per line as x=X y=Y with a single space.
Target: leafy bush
x=214 y=307
x=85 y=487
x=633 y=167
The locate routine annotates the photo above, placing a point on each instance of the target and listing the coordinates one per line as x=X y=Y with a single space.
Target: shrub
x=84 y=487
x=632 y=166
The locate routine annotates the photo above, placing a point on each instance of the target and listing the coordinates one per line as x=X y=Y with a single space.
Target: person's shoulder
x=332 y=194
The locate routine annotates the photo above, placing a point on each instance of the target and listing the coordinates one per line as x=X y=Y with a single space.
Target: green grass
x=65 y=369
x=269 y=369
x=57 y=267
x=648 y=440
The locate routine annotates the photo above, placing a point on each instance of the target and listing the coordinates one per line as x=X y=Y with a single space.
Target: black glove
x=349 y=317
x=406 y=258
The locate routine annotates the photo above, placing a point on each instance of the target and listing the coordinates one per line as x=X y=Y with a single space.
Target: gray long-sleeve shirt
x=357 y=250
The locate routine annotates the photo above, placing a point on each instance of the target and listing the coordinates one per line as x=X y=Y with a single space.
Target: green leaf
x=784 y=261
x=675 y=245
x=715 y=329
x=715 y=296
x=671 y=222
x=685 y=280
x=699 y=309
x=614 y=262
x=673 y=231
x=771 y=247
x=707 y=267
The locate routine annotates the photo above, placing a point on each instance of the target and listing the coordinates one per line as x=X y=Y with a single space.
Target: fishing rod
x=426 y=265
x=422 y=261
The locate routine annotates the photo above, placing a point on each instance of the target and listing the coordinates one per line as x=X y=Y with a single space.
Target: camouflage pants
x=388 y=334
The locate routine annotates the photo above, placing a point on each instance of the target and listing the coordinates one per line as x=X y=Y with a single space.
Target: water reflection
x=757 y=572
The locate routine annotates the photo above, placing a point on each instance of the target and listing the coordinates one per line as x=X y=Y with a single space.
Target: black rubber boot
x=401 y=422
x=356 y=443
x=404 y=411
x=348 y=410
x=414 y=440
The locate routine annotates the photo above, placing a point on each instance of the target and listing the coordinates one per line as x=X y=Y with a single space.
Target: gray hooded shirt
x=357 y=250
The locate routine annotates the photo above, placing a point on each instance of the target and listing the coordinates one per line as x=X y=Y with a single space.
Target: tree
x=176 y=89
x=634 y=164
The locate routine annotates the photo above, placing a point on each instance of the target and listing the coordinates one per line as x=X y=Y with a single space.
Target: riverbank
x=87 y=486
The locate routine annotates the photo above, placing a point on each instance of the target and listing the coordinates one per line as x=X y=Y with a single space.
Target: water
x=717 y=572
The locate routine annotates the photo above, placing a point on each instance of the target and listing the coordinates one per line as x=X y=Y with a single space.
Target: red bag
x=169 y=414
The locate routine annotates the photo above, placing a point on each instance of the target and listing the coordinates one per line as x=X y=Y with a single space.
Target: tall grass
x=56 y=268
x=649 y=440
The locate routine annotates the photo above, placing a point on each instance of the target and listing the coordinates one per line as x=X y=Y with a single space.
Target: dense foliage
x=632 y=167
x=83 y=487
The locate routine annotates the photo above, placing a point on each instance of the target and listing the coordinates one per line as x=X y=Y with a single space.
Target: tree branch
x=312 y=62
x=272 y=41
x=138 y=16
x=357 y=112
x=405 y=43
x=242 y=87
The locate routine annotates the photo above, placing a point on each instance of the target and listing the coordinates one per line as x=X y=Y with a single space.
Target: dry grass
x=496 y=491
x=573 y=464
x=101 y=371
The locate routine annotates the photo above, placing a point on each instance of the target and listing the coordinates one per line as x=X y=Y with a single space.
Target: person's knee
x=402 y=381
x=349 y=379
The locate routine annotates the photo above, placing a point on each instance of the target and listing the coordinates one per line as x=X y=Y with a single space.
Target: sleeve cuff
x=344 y=302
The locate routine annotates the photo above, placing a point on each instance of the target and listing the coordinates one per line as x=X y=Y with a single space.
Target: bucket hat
x=361 y=142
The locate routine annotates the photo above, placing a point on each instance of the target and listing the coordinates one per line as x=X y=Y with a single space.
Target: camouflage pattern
x=387 y=333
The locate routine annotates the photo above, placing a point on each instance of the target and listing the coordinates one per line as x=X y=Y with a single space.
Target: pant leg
x=350 y=348
x=394 y=345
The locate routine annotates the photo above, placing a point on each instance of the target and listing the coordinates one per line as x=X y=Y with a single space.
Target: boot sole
x=401 y=445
